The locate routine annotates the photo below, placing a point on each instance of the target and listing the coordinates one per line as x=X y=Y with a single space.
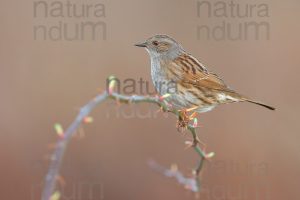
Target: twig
x=57 y=157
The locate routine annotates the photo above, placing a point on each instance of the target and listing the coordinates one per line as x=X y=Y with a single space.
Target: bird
x=193 y=84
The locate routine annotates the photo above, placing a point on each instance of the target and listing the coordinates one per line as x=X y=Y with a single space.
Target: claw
x=193 y=115
x=184 y=118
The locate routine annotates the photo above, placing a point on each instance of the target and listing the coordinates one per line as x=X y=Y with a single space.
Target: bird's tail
x=240 y=97
x=261 y=104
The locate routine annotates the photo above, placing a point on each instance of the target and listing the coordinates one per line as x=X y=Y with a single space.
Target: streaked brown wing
x=209 y=81
x=191 y=71
x=195 y=73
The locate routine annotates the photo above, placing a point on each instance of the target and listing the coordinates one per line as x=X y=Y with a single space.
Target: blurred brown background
x=44 y=82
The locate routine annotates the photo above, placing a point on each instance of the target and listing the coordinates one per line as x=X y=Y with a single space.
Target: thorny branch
x=57 y=157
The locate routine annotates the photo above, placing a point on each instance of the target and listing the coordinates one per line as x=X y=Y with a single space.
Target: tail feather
x=261 y=104
x=245 y=98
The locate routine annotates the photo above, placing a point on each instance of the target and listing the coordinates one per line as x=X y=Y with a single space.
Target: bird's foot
x=184 y=118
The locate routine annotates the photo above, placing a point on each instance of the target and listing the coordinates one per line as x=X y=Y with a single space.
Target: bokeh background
x=44 y=82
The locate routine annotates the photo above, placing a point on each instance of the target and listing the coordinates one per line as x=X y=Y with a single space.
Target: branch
x=61 y=145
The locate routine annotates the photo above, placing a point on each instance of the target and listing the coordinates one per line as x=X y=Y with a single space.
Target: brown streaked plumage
x=196 y=85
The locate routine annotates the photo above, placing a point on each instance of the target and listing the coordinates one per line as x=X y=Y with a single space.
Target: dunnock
x=196 y=86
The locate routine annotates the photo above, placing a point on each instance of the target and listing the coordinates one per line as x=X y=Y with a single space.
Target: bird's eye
x=155 y=43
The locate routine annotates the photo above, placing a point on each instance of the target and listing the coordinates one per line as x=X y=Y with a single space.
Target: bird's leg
x=183 y=123
x=184 y=118
x=191 y=109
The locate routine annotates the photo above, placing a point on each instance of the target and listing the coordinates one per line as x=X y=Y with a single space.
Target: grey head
x=161 y=46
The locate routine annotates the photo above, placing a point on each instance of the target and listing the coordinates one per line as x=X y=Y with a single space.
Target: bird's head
x=161 y=45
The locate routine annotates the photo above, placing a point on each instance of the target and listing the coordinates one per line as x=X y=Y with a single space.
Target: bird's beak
x=143 y=44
